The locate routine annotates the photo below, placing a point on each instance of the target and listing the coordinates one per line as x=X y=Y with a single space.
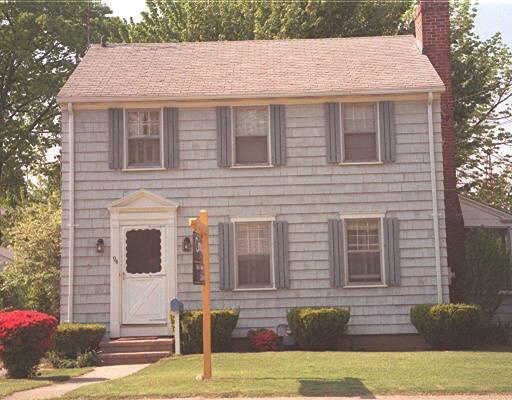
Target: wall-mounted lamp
x=100 y=246
x=187 y=244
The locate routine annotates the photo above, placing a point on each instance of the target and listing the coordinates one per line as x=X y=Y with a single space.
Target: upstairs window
x=360 y=132
x=251 y=135
x=254 y=255
x=363 y=251
x=144 y=138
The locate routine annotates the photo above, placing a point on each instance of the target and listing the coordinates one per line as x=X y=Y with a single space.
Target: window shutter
x=392 y=251
x=171 y=138
x=387 y=131
x=336 y=254
x=116 y=138
x=281 y=261
x=226 y=256
x=224 y=136
x=278 y=134
x=332 y=132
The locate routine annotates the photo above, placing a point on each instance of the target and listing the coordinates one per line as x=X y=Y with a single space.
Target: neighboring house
x=6 y=257
x=320 y=163
x=480 y=215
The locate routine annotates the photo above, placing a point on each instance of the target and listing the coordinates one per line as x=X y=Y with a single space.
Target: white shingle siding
x=306 y=192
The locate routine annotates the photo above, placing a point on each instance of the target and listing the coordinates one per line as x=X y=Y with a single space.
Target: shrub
x=263 y=340
x=448 y=326
x=25 y=337
x=73 y=339
x=82 y=360
x=487 y=267
x=191 y=325
x=318 y=328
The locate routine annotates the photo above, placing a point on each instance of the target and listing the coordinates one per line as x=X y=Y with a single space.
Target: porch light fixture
x=187 y=244
x=100 y=246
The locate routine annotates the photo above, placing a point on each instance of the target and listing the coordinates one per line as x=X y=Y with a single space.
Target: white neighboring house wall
x=480 y=215
x=6 y=257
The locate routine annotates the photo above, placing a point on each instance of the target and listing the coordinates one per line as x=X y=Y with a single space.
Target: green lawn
x=48 y=377
x=315 y=374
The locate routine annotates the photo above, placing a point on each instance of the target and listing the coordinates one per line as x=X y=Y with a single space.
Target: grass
x=315 y=374
x=47 y=377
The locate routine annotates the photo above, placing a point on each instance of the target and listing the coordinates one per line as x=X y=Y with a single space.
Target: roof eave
x=111 y=99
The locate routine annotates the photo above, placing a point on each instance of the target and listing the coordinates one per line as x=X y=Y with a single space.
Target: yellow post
x=200 y=225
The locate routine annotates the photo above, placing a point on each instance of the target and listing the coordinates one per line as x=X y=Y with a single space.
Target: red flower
x=263 y=340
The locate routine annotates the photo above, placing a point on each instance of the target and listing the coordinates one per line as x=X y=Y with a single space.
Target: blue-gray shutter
x=336 y=253
x=224 y=136
x=278 y=134
x=281 y=261
x=392 y=251
x=332 y=132
x=226 y=256
x=115 y=138
x=387 y=131
x=171 y=138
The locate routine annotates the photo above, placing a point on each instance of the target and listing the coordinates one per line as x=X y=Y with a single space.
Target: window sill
x=138 y=169
x=254 y=289
x=251 y=166
x=361 y=163
x=505 y=291
x=365 y=286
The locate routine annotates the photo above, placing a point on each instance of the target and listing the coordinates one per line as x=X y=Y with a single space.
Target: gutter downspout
x=435 y=211
x=71 y=189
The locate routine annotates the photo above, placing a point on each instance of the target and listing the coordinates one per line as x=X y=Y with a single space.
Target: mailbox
x=176 y=305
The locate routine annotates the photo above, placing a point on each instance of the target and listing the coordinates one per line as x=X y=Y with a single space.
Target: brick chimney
x=432 y=25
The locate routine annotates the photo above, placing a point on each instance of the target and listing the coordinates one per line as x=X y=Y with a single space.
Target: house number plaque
x=197 y=260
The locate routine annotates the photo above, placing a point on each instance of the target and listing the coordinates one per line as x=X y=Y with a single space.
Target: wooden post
x=200 y=225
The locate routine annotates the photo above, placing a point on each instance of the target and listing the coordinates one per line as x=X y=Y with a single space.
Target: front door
x=144 y=276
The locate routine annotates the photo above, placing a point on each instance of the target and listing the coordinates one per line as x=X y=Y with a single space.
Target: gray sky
x=494 y=15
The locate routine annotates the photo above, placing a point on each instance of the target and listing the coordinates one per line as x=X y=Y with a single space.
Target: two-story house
x=320 y=163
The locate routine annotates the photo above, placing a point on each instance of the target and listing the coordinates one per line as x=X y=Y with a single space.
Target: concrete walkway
x=99 y=374
x=396 y=397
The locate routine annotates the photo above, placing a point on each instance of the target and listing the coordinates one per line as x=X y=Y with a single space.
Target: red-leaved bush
x=25 y=337
x=263 y=340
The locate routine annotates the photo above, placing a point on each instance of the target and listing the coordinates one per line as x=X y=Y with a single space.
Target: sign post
x=201 y=276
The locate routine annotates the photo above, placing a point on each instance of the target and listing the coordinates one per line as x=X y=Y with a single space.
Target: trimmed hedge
x=448 y=326
x=191 y=325
x=74 y=339
x=318 y=328
x=25 y=337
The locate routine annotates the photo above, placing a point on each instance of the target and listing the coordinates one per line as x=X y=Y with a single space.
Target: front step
x=135 y=350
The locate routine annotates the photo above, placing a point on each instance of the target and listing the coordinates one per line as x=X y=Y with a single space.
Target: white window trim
x=234 y=165
x=270 y=219
x=380 y=217
x=377 y=161
x=126 y=167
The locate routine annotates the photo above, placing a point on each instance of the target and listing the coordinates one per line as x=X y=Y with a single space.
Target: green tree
x=40 y=45
x=482 y=89
x=190 y=20
x=32 y=281
x=487 y=267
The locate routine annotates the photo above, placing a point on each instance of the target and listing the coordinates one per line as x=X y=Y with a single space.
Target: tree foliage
x=32 y=281
x=190 y=20
x=487 y=268
x=482 y=89
x=40 y=45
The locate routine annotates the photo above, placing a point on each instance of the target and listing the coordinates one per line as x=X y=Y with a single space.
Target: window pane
x=360 y=147
x=143 y=251
x=252 y=150
x=251 y=121
x=359 y=118
x=364 y=267
x=253 y=249
x=144 y=152
x=363 y=250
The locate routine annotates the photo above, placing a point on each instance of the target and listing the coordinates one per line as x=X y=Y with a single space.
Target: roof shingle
x=260 y=68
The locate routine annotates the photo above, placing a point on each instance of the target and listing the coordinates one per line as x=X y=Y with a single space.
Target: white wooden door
x=144 y=275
